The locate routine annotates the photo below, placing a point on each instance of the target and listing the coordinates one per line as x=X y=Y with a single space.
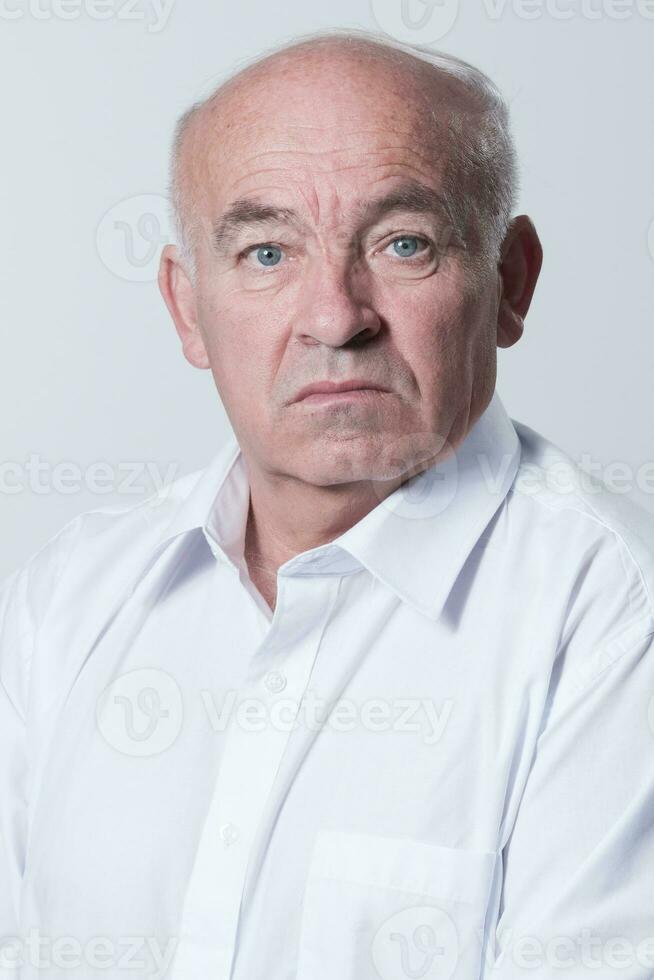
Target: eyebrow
x=247 y=212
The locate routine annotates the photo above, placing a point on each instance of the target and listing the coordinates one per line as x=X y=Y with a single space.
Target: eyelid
x=257 y=245
x=249 y=249
x=397 y=236
x=428 y=242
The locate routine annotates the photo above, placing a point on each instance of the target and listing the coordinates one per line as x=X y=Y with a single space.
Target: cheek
x=442 y=332
x=243 y=347
x=431 y=327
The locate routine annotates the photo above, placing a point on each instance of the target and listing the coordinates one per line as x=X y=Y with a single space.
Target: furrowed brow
x=410 y=196
x=246 y=213
x=249 y=212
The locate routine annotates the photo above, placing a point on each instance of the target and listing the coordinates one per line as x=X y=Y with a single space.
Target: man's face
x=329 y=286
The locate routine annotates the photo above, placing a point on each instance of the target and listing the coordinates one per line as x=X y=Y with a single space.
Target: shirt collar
x=416 y=541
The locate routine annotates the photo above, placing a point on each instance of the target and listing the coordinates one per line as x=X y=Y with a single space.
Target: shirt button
x=228 y=833
x=275 y=681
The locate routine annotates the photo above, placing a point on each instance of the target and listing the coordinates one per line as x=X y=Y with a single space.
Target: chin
x=349 y=460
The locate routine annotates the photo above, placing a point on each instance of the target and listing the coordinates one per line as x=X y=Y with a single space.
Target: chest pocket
x=393 y=908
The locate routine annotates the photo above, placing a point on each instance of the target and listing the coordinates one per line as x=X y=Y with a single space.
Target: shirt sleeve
x=578 y=891
x=16 y=640
x=25 y=598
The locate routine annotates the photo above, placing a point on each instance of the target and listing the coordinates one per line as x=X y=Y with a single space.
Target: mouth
x=352 y=396
x=326 y=392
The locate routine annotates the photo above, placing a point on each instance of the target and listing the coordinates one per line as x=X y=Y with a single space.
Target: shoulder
x=595 y=548
x=91 y=540
x=77 y=574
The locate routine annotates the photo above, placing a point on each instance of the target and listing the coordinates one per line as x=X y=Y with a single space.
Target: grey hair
x=481 y=182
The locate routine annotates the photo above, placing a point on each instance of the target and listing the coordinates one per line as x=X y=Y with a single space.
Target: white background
x=91 y=366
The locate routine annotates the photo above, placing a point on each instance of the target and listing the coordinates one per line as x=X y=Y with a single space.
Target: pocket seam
x=403 y=864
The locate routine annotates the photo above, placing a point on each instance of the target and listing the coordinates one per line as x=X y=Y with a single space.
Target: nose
x=334 y=309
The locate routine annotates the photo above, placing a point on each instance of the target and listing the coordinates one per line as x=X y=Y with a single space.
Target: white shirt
x=479 y=803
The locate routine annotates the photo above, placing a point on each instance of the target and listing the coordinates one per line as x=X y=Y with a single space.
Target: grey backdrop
x=92 y=371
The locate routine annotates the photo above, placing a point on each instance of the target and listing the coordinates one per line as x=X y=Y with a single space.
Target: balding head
x=455 y=103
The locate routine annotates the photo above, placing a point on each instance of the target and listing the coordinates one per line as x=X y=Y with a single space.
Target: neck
x=287 y=517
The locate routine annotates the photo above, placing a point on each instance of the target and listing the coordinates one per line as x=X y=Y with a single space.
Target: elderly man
x=368 y=697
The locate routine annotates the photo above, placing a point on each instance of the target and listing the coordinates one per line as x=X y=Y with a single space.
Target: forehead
x=327 y=134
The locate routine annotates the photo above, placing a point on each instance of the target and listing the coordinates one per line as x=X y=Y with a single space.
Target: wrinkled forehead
x=319 y=133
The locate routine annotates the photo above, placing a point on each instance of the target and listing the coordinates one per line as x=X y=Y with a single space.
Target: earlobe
x=510 y=326
x=179 y=296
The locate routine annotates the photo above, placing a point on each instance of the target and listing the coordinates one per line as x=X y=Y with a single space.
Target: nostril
x=360 y=339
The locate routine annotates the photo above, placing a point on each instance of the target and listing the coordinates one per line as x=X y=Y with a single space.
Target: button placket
x=250 y=761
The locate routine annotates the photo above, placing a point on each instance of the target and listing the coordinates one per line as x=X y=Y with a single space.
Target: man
x=369 y=695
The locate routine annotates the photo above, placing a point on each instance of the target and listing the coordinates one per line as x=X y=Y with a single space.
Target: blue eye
x=407 y=245
x=268 y=254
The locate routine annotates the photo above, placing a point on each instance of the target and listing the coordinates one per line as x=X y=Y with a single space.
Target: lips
x=334 y=387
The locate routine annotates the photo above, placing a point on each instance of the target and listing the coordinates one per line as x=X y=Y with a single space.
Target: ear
x=519 y=267
x=179 y=296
